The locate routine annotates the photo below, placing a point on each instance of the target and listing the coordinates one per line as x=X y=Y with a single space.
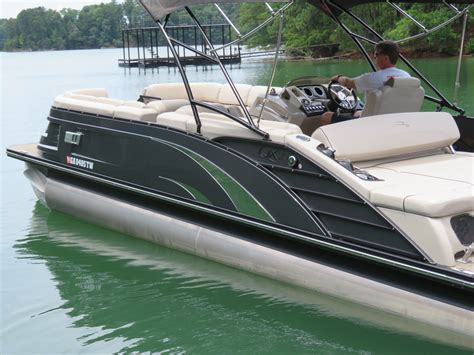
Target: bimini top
x=160 y=8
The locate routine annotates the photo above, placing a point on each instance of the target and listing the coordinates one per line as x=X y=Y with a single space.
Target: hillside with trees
x=99 y=26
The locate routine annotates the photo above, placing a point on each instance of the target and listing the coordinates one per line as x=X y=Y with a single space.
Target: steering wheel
x=342 y=97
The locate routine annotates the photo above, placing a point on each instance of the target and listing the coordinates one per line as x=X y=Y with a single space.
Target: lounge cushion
x=161 y=106
x=134 y=113
x=215 y=125
x=97 y=92
x=390 y=135
x=227 y=96
x=75 y=104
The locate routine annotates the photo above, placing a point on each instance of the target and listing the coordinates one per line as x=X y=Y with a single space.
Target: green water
x=71 y=287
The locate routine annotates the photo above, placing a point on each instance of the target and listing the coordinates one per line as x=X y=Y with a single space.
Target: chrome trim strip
x=46 y=146
x=344 y=249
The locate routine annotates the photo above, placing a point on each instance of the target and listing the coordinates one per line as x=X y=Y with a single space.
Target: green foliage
x=98 y=26
x=34 y=29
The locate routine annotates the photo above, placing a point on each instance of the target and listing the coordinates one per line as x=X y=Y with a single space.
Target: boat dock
x=146 y=48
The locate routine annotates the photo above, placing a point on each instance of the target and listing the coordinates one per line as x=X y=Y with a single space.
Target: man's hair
x=388 y=48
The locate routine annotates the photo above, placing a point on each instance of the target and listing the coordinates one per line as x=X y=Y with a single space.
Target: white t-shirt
x=373 y=81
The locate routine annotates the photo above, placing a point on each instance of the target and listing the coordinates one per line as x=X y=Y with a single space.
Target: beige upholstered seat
x=215 y=125
x=391 y=135
x=397 y=95
x=207 y=92
x=96 y=101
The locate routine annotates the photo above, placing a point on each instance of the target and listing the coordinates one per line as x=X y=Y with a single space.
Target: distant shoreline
x=410 y=53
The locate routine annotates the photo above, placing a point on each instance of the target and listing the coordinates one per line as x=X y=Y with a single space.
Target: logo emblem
x=79 y=162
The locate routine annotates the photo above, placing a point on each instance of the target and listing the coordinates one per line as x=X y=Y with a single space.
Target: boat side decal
x=242 y=199
x=196 y=194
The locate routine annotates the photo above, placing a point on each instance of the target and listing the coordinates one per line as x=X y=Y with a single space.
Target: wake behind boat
x=378 y=210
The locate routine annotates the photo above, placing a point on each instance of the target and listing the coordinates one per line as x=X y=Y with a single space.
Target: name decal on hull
x=79 y=162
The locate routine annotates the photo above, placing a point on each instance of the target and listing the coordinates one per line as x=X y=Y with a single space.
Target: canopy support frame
x=256 y=29
x=275 y=62
x=222 y=67
x=442 y=101
x=224 y=15
x=457 y=83
x=407 y=15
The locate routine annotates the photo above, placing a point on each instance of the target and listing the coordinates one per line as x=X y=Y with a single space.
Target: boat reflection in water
x=157 y=298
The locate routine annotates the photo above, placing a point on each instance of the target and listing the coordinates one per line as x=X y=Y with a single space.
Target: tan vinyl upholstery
x=167 y=105
x=397 y=95
x=207 y=92
x=172 y=97
x=97 y=92
x=89 y=105
x=420 y=186
x=137 y=114
x=171 y=91
x=227 y=97
x=390 y=135
x=215 y=125
x=86 y=101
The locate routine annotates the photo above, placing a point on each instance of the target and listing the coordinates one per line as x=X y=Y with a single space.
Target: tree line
x=99 y=26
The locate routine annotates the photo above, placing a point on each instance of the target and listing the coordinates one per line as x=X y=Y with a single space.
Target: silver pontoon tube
x=226 y=249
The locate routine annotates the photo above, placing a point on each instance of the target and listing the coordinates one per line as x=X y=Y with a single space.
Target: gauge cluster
x=314 y=92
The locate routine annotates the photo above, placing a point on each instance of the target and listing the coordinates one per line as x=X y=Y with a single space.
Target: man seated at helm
x=386 y=56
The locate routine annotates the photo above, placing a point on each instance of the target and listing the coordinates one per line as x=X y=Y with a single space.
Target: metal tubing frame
x=407 y=15
x=441 y=101
x=196 y=51
x=275 y=61
x=434 y=29
x=269 y=8
x=451 y=6
x=250 y=125
x=224 y=15
x=457 y=84
x=182 y=72
x=226 y=75
x=355 y=37
x=256 y=29
x=232 y=117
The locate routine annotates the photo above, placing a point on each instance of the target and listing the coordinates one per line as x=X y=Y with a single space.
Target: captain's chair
x=396 y=95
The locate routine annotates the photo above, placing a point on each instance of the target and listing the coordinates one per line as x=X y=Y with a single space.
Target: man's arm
x=345 y=81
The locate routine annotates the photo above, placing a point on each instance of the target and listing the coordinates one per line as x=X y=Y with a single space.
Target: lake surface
x=71 y=287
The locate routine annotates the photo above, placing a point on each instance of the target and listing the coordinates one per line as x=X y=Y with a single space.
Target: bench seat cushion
x=434 y=186
x=215 y=125
x=207 y=92
x=384 y=136
x=161 y=106
x=134 y=113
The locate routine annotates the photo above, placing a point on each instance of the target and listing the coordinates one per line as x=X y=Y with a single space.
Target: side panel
x=182 y=165
x=344 y=214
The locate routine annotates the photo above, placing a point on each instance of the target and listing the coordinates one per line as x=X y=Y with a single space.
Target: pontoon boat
x=378 y=210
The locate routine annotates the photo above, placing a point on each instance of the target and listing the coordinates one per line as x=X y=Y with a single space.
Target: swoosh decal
x=243 y=200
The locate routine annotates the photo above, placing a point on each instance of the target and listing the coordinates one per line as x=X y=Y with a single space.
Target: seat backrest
x=385 y=136
x=396 y=95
